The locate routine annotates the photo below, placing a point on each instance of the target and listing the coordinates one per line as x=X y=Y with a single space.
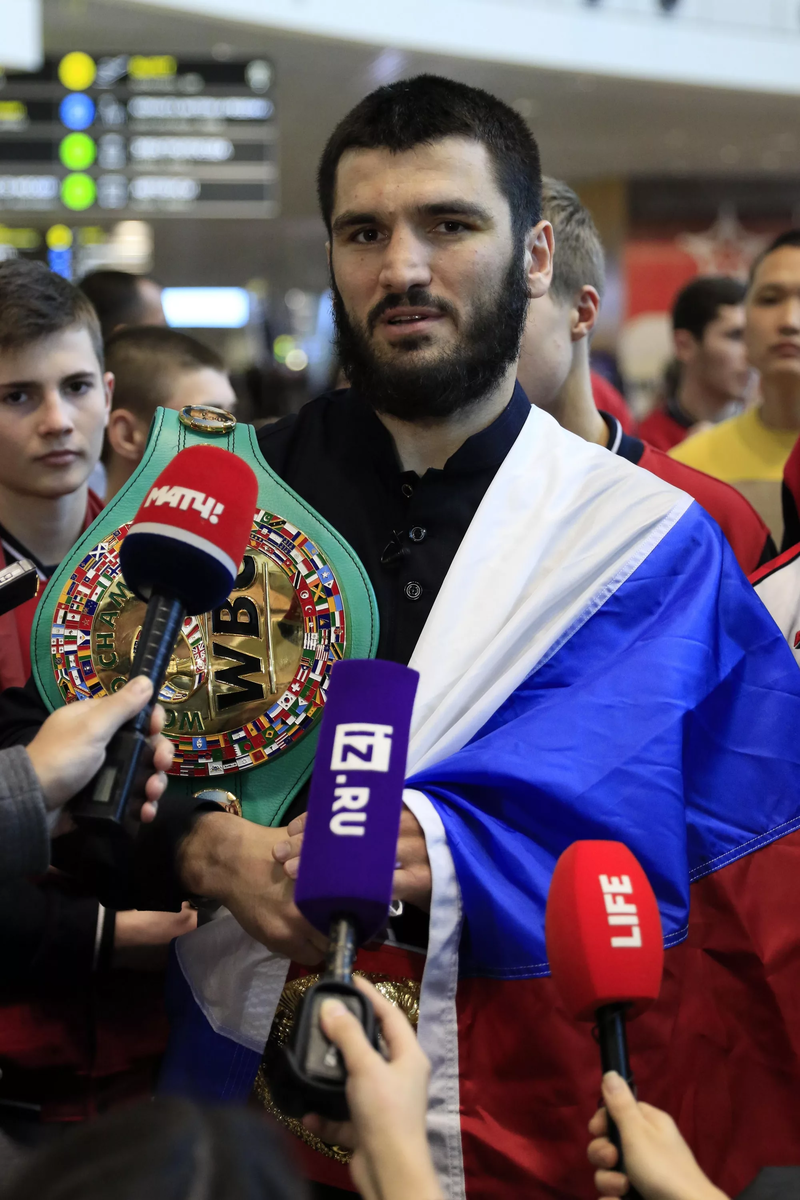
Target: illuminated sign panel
x=140 y=134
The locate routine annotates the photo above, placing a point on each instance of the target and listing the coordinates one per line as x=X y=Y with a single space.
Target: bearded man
x=592 y=664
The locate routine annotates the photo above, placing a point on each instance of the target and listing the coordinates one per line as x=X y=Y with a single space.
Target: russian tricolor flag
x=595 y=666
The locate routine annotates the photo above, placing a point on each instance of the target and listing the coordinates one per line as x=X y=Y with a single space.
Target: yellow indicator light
x=77 y=71
x=20 y=239
x=59 y=237
x=91 y=235
x=152 y=66
x=13 y=110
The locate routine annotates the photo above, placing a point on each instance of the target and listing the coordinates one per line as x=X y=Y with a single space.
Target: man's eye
x=451 y=226
x=366 y=237
x=15 y=398
x=78 y=387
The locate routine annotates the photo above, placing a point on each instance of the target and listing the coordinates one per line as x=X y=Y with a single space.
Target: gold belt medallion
x=403 y=993
x=246 y=681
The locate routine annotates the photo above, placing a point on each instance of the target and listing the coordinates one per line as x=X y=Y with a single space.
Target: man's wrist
x=207 y=854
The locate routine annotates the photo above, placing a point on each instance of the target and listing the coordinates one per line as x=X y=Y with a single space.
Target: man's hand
x=141 y=939
x=412 y=878
x=657 y=1160
x=230 y=859
x=387 y=1101
x=70 y=747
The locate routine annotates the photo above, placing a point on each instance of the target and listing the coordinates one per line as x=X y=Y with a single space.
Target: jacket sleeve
x=24 y=835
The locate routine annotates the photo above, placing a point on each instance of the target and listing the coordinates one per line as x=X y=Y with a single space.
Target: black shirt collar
x=622 y=443
x=484 y=450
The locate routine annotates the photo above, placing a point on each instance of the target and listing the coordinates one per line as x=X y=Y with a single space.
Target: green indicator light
x=77 y=151
x=78 y=192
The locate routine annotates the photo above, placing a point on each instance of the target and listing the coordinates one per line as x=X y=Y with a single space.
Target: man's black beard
x=454 y=381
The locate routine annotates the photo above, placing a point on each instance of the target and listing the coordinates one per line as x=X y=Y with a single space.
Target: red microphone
x=181 y=555
x=605 y=946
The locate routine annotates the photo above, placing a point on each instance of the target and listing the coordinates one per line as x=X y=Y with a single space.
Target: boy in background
x=712 y=369
x=155 y=367
x=55 y=397
x=74 y=1033
x=554 y=372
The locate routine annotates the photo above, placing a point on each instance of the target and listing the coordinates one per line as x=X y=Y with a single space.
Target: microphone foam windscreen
x=349 y=847
x=603 y=930
x=190 y=533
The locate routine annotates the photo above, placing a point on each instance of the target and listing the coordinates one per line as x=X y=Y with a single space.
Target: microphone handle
x=613 y=1039
x=128 y=759
x=311 y=1076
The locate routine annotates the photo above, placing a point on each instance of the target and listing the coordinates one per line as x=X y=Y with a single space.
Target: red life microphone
x=181 y=555
x=605 y=946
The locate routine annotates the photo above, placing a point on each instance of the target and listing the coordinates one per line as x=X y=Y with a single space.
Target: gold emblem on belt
x=246 y=681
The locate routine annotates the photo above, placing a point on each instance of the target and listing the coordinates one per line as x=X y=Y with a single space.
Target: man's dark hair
x=116 y=297
x=578 y=257
x=789 y=237
x=145 y=360
x=35 y=303
x=425 y=109
x=165 y=1149
x=698 y=304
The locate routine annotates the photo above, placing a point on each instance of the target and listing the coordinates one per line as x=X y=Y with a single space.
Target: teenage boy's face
x=54 y=402
x=772 y=329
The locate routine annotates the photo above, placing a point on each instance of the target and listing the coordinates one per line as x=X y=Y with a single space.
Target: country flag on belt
x=595 y=666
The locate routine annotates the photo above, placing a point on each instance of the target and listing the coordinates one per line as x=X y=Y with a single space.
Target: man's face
x=54 y=404
x=546 y=353
x=430 y=289
x=772 y=330
x=150 y=300
x=203 y=386
x=719 y=360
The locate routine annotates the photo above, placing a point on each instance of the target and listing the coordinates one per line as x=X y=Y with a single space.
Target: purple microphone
x=356 y=797
x=344 y=885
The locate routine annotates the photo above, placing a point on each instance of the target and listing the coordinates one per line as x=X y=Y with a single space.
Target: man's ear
x=126 y=435
x=108 y=388
x=686 y=345
x=539 y=259
x=585 y=311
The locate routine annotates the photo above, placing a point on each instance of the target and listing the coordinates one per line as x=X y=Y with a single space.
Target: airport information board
x=127 y=135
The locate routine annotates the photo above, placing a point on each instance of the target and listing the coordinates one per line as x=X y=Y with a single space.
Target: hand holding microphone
x=388 y=1101
x=344 y=882
x=658 y=1162
x=182 y=556
x=605 y=946
x=71 y=745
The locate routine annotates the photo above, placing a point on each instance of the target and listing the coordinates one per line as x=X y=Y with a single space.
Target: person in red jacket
x=554 y=372
x=54 y=404
x=712 y=369
x=78 y=1028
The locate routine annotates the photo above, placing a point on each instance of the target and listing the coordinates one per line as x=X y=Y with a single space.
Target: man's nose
x=790 y=315
x=406 y=262
x=55 y=415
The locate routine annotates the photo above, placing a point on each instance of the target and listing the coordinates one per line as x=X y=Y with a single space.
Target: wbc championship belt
x=246 y=683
